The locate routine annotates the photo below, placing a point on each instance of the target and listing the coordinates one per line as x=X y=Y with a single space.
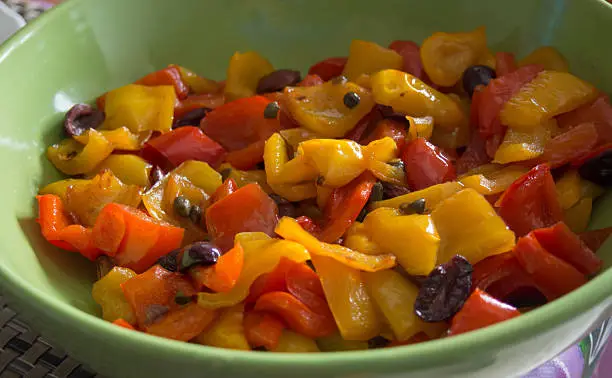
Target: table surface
x=23 y=353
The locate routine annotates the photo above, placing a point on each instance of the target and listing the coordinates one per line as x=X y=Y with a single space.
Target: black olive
x=285 y=208
x=80 y=118
x=182 y=206
x=417 y=207
x=375 y=195
x=156 y=175
x=271 y=110
x=199 y=253
x=169 y=261
x=392 y=190
x=278 y=80
x=351 y=100
x=192 y=118
x=474 y=76
x=195 y=214
x=598 y=169
x=444 y=291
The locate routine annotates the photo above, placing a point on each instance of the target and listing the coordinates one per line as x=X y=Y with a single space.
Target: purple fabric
x=568 y=364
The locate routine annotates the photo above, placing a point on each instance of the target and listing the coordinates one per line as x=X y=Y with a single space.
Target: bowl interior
x=89 y=46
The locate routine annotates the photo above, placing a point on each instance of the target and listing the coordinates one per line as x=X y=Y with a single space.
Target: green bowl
x=85 y=47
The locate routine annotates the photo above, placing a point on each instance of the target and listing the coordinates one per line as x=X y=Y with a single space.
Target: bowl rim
x=536 y=322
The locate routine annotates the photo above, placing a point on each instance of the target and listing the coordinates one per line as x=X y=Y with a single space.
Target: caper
x=271 y=110
x=195 y=214
x=351 y=100
x=416 y=207
x=182 y=206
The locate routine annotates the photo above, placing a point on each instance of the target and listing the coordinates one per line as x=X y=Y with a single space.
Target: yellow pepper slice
x=227 y=331
x=479 y=233
x=321 y=108
x=85 y=202
x=200 y=174
x=549 y=94
x=281 y=170
x=140 y=108
x=487 y=59
x=494 y=182
x=295 y=192
x=293 y=137
x=420 y=127
x=107 y=293
x=260 y=256
x=130 y=169
x=353 y=308
x=290 y=229
x=395 y=297
x=243 y=74
x=291 y=342
x=335 y=343
x=519 y=145
x=121 y=138
x=433 y=195
x=578 y=216
x=407 y=94
x=367 y=58
x=446 y=56
x=569 y=189
x=59 y=188
x=196 y=83
x=337 y=161
x=323 y=193
x=72 y=158
x=413 y=239
x=357 y=239
x=548 y=57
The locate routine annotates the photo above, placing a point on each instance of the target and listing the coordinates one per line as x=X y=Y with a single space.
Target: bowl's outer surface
x=86 y=47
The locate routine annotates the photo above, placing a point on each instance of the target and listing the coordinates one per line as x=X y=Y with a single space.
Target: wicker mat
x=23 y=353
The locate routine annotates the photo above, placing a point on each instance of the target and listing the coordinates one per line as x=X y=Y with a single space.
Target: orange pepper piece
x=222 y=276
x=183 y=324
x=262 y=329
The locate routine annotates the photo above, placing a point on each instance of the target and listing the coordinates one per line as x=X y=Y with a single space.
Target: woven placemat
x=23 y=353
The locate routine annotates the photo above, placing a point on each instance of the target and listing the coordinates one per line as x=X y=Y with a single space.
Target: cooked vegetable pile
x=396 y=196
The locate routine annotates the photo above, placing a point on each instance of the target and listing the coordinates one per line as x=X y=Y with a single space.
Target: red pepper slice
x=248 y=157
x=166 y=76
x=241 y=124
x=497 y=93
x=329 y=68
x=474 y=155
x=276 y=280
x=182 y=144
x=411 y=52
x=228 y=187
x=262 y=329
x=531 y=202
x=388 y=128
x=595 y=238
x=504 y=63
x=249 y=209
x=570 y=146
x=599 y=112
x=57 y=230
x=308 y=224
x=296 y=314
x=366 y=123
x=152 y=293
x=563 y=243
x=475 y=105
x=311 y=81
x=479 y=311
x=553 y=276
x=596 y=152
x=501 y=275
x=426 y=164
x=193 y=102
x=344 y=205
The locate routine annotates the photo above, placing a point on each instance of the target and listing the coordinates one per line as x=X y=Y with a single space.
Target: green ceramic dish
x=87 y=46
